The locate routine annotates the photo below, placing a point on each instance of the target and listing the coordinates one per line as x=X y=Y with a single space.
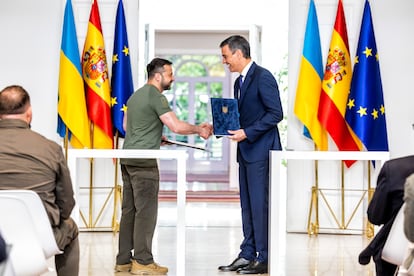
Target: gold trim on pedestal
x=343 y=224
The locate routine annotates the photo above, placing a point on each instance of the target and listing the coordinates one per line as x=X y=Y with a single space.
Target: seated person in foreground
x=409 y=224
x=3 y=251
x=383 y=208
x=29 y=161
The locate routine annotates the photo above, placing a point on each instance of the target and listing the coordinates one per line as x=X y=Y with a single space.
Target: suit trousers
x=139 y=214
x=66 y=235
x=254 y=200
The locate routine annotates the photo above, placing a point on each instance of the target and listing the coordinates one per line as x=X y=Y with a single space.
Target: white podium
x=180 y=155
x=278 y=195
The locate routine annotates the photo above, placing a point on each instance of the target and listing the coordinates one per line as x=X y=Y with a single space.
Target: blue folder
x=225 y=114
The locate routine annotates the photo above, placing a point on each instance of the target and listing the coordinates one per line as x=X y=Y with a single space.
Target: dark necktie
x=240 y=84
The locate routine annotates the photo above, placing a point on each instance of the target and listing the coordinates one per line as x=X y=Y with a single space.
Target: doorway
x=199 y=75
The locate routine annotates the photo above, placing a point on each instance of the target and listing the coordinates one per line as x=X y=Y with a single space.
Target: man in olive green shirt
x=148 y=111
x=144 y=128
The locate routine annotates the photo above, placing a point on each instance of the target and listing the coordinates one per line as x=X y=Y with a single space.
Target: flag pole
x=98 y=96
x=65 y=143
x=370 y=226
x=342 y=197
x=91 y=167
x=313 y=228
x=122 y=89
x=316 y=227
x=117 y=190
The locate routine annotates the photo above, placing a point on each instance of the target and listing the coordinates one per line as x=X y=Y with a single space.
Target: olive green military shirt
x=144 y=127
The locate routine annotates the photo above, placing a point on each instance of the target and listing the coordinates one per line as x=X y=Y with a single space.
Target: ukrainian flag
x=72 y=115
x=310 y=83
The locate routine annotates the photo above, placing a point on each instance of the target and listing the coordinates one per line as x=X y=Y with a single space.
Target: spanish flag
x=310 y=83
x=97 y=89
x=72 y=116
x=335 y=88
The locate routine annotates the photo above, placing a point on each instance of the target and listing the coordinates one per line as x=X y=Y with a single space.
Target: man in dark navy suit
x=260 y=111
x=383 y=208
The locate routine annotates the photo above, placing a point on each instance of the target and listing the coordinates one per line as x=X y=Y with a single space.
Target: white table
x=180 y=155
x=278 y=195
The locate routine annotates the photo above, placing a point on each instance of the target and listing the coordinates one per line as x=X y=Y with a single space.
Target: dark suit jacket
x=386 y=202
x=260 y=110
x=3 y=253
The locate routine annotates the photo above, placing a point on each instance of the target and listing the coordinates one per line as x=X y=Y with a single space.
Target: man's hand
x=164 y=140
x=206 y=130
x=237 y=135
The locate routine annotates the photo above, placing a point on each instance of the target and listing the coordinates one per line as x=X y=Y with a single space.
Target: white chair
x=396 y=244
x=18 y=229
x=41 y=220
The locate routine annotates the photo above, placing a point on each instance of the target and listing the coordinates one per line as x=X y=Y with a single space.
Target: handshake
x=205 y=130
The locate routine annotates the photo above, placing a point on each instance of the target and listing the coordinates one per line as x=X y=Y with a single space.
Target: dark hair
x=237 y=42
x=156 y=66
x=14 y=99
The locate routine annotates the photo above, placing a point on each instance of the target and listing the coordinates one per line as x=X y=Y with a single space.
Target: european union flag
x=365 y=112
x=121 y=81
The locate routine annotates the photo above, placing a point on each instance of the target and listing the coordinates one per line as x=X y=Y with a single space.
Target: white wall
x=394 y=23
x=30 y=45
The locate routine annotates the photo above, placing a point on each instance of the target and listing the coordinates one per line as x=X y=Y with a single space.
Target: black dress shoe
x=365 y=256
x=255 y=267
x=238 y=263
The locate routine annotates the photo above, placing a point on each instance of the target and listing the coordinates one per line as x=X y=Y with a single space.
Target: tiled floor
x=213 y=235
